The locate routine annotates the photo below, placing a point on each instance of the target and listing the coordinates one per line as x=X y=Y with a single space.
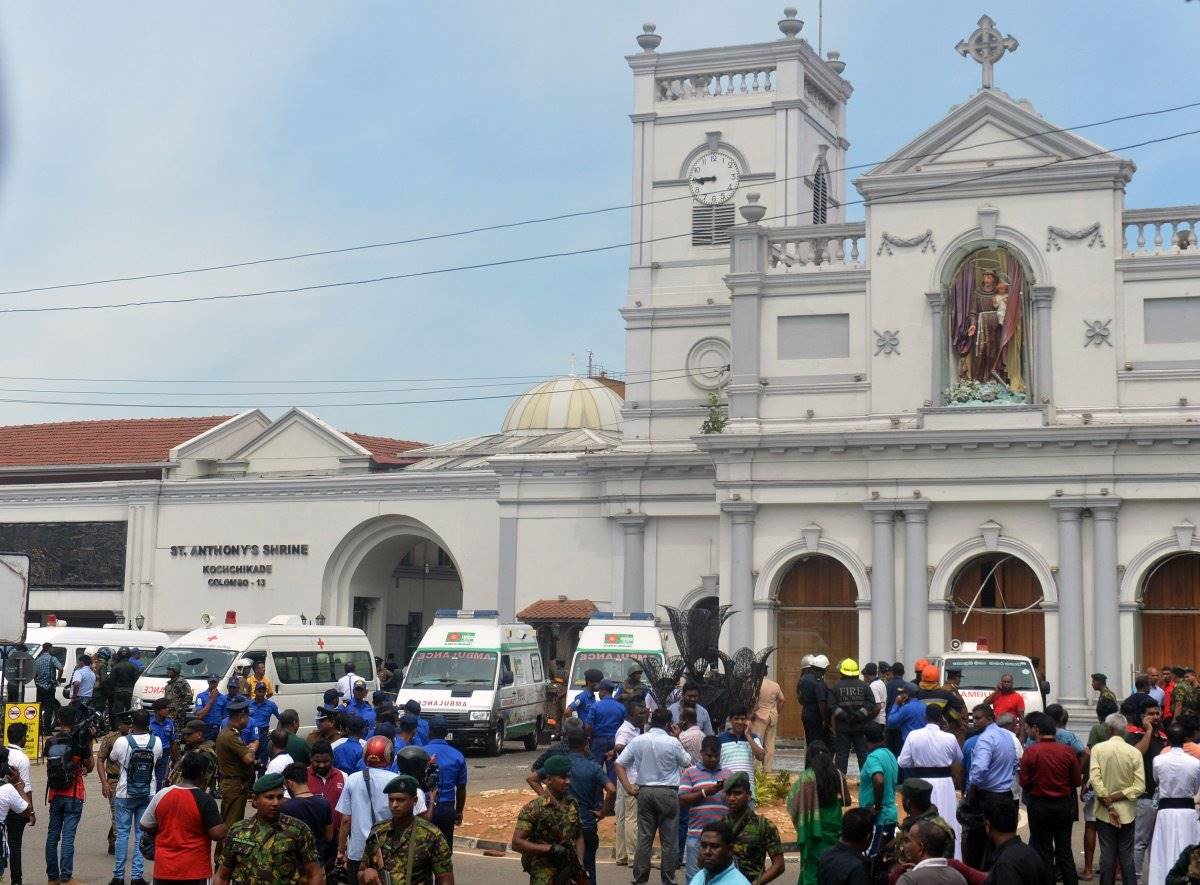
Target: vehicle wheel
x=496 y=746
x=531 y=739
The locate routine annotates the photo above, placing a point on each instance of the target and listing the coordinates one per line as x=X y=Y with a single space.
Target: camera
x=89 y=725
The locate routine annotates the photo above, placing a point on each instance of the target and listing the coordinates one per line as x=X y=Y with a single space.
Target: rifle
x=571 y=871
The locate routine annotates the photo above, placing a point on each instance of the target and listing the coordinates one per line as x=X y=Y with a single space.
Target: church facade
x=973 y=415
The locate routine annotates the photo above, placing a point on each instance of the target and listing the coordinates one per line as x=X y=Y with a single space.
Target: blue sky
x=142 y=137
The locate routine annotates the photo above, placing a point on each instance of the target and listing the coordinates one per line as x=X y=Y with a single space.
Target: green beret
x=740 y=780
x=916 y=787
x=557 y=765
x=267 y=782
x=402 y=783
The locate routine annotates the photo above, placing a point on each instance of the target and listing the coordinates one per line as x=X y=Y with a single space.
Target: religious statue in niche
x=987 y=330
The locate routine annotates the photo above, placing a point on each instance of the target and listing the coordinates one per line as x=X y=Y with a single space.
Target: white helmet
x=820 y=662
x=806 y=662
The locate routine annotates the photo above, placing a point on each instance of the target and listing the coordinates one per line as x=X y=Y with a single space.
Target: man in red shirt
x=324 y=779
x=1049 y=773
x=65 y=802
x=1005 y=700
x=184 y=821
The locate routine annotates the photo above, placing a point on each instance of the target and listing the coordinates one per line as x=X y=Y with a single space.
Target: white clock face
x=713 y=177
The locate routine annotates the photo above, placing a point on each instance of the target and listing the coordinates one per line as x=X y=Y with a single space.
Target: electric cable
x=296 y=290
x=561 y=216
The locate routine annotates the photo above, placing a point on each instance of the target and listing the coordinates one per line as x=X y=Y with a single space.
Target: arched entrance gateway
x=997 y=597
x=816 y=615
x=1170 y=601
x=388 y=577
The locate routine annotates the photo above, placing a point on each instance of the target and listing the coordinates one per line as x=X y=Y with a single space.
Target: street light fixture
x=320 y=619
x=303 y=620
x=140 y=620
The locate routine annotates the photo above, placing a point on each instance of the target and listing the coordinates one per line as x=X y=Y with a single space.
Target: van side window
x=506 y=670
x=536 y=661
x=519 y=669
x=293 y=667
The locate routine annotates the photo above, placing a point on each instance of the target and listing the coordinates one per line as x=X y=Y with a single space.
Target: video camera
x=89 y=725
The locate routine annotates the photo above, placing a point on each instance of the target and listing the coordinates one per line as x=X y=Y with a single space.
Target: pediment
x=299 y=437
x=225 y=439
x=991 y=137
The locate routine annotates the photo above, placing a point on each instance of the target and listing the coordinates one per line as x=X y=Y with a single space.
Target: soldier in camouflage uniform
x=754 y=837
x=193 y=741
x=916 y=794
x=109 y=773
x=1187 y=869
x=409 y=849
x=1186 y=696
x=179 y=695
x=548 y=834
x=269 y=848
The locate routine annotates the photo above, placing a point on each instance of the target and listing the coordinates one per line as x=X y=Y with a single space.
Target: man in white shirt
x=15 y=824
x=934 y=755
x=345 y=685
x=659 y=758
x=878 y=688
x=280 y=758
x=626 y=810
x=131 y=799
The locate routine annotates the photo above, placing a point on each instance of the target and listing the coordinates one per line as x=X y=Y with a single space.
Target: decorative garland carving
x=1098 y=332
x=887 y=241
x=887 y=342
x=1091 y=233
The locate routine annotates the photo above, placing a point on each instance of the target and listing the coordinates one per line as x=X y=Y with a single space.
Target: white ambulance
x=302 y=660
x=485 y=677
x=983 y=669
x=612 y=642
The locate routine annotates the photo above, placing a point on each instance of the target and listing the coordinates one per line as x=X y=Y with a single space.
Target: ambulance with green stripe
x=486 y=678
x=611 y=643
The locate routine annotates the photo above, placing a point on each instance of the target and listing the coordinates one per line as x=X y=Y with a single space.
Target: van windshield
x=614 y=665
x=194 y=663
x=985 y=674
x=443 y=669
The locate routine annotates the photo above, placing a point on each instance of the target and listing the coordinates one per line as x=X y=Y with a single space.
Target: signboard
x=14 y=597
x=618 y=640
x=27 y=713
x=460 y=637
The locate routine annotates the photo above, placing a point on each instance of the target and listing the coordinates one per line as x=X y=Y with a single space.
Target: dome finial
x=648 y=40
x=789 y=24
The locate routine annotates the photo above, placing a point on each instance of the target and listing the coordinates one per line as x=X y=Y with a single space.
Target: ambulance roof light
x=623 y=616
x=467 y=613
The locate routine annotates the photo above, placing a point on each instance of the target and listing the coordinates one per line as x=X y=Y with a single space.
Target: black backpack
x=61 y=768
x=139 y=768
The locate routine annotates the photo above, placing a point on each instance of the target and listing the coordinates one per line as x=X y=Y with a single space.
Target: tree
x=717 y=419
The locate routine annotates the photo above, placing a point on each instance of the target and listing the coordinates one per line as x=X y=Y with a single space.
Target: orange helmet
x=929 y=673
x=920 y=665
x=378 y=751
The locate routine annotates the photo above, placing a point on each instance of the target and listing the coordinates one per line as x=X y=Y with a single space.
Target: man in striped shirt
x=739 y=747
x=701 y=794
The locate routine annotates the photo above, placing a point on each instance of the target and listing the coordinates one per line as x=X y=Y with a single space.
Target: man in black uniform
x=813 y=695
x=122 y=675
x=851 y=707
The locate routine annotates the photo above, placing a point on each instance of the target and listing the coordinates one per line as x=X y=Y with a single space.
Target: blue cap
x=408 y=721
x=233 y=681
x=608 y=685
x=332 y=696
x=377 y=696
x=237 y=705
x=439 y=721
x=213 y=677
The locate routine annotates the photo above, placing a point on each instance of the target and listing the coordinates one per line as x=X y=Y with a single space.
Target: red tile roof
x=561 y=609
x=384 y=449
x=124 y=441
x=138 y=441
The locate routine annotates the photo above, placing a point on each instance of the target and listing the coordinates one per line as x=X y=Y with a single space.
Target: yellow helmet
x=848 y=667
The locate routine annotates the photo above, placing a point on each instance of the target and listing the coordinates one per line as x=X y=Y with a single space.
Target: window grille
x=711 y=225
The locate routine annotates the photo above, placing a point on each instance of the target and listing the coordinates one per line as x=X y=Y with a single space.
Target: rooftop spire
x=987 y=46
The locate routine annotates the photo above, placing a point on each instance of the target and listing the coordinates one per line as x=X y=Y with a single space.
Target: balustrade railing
x=1172 y=230
x=816 y=247
x=715 y=84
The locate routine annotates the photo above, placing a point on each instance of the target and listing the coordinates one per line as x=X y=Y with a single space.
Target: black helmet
x=122 y=652
x=412 y=761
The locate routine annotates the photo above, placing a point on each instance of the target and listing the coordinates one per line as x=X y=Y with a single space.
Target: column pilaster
x=1071 y=688
x=916 y=581
x=937 y=305
x=741 y=571
x=633 y=589
x=506 y=589
x=1043 y=365
x=1106 y=596
x=883 y=580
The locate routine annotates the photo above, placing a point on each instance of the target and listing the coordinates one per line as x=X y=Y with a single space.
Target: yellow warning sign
x=30 y=715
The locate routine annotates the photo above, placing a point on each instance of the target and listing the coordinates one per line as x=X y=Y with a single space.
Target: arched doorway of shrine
x=816 y=615
x=1170 y=611
x=996 y=597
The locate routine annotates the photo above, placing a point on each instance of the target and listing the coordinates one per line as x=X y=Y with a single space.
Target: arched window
x=820 y=189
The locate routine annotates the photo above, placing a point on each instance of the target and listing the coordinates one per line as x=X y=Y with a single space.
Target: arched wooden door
x=1171 y=612
x=999 y=596
x=816 y=616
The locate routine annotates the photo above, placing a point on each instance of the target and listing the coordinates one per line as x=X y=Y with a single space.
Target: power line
x=615 y=374
x=558 y=217
x=243 y=406
x=296 y=290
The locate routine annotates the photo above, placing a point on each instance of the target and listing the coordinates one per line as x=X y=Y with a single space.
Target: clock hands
x=704 y=180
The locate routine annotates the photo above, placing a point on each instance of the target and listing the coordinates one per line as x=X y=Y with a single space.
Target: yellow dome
x=566 y=403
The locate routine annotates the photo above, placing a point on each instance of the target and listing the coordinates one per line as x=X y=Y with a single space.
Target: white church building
x=972 y=415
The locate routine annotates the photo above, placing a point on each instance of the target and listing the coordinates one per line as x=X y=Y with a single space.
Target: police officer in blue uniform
x=585 y=699
x=452 y=779
x=414 y=707
x=210 y=707
x=361 y=707
x=604 y=718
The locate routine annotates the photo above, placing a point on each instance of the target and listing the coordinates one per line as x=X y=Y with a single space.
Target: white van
x=981 y=672
x=485 y=677
x=611 y=642
x=302 y=660
x=69 y=643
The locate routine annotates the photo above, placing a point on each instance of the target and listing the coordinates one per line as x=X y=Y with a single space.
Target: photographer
x=68 y=753
x=16 y=803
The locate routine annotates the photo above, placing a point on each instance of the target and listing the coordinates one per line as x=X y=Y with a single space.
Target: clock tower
x=711 y=127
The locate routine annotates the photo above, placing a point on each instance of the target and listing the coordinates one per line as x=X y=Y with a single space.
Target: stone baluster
x=1158 y=241
x=1141 y=237
x=854 y=249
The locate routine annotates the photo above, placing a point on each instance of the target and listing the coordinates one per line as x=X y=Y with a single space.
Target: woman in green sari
x=815 y=804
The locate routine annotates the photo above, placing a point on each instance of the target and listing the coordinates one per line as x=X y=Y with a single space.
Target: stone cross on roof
x=987 y=46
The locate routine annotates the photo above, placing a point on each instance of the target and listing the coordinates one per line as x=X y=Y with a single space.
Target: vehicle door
x=508 y=696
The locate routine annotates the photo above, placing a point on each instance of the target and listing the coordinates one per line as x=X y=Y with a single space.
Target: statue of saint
x=986 y=321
